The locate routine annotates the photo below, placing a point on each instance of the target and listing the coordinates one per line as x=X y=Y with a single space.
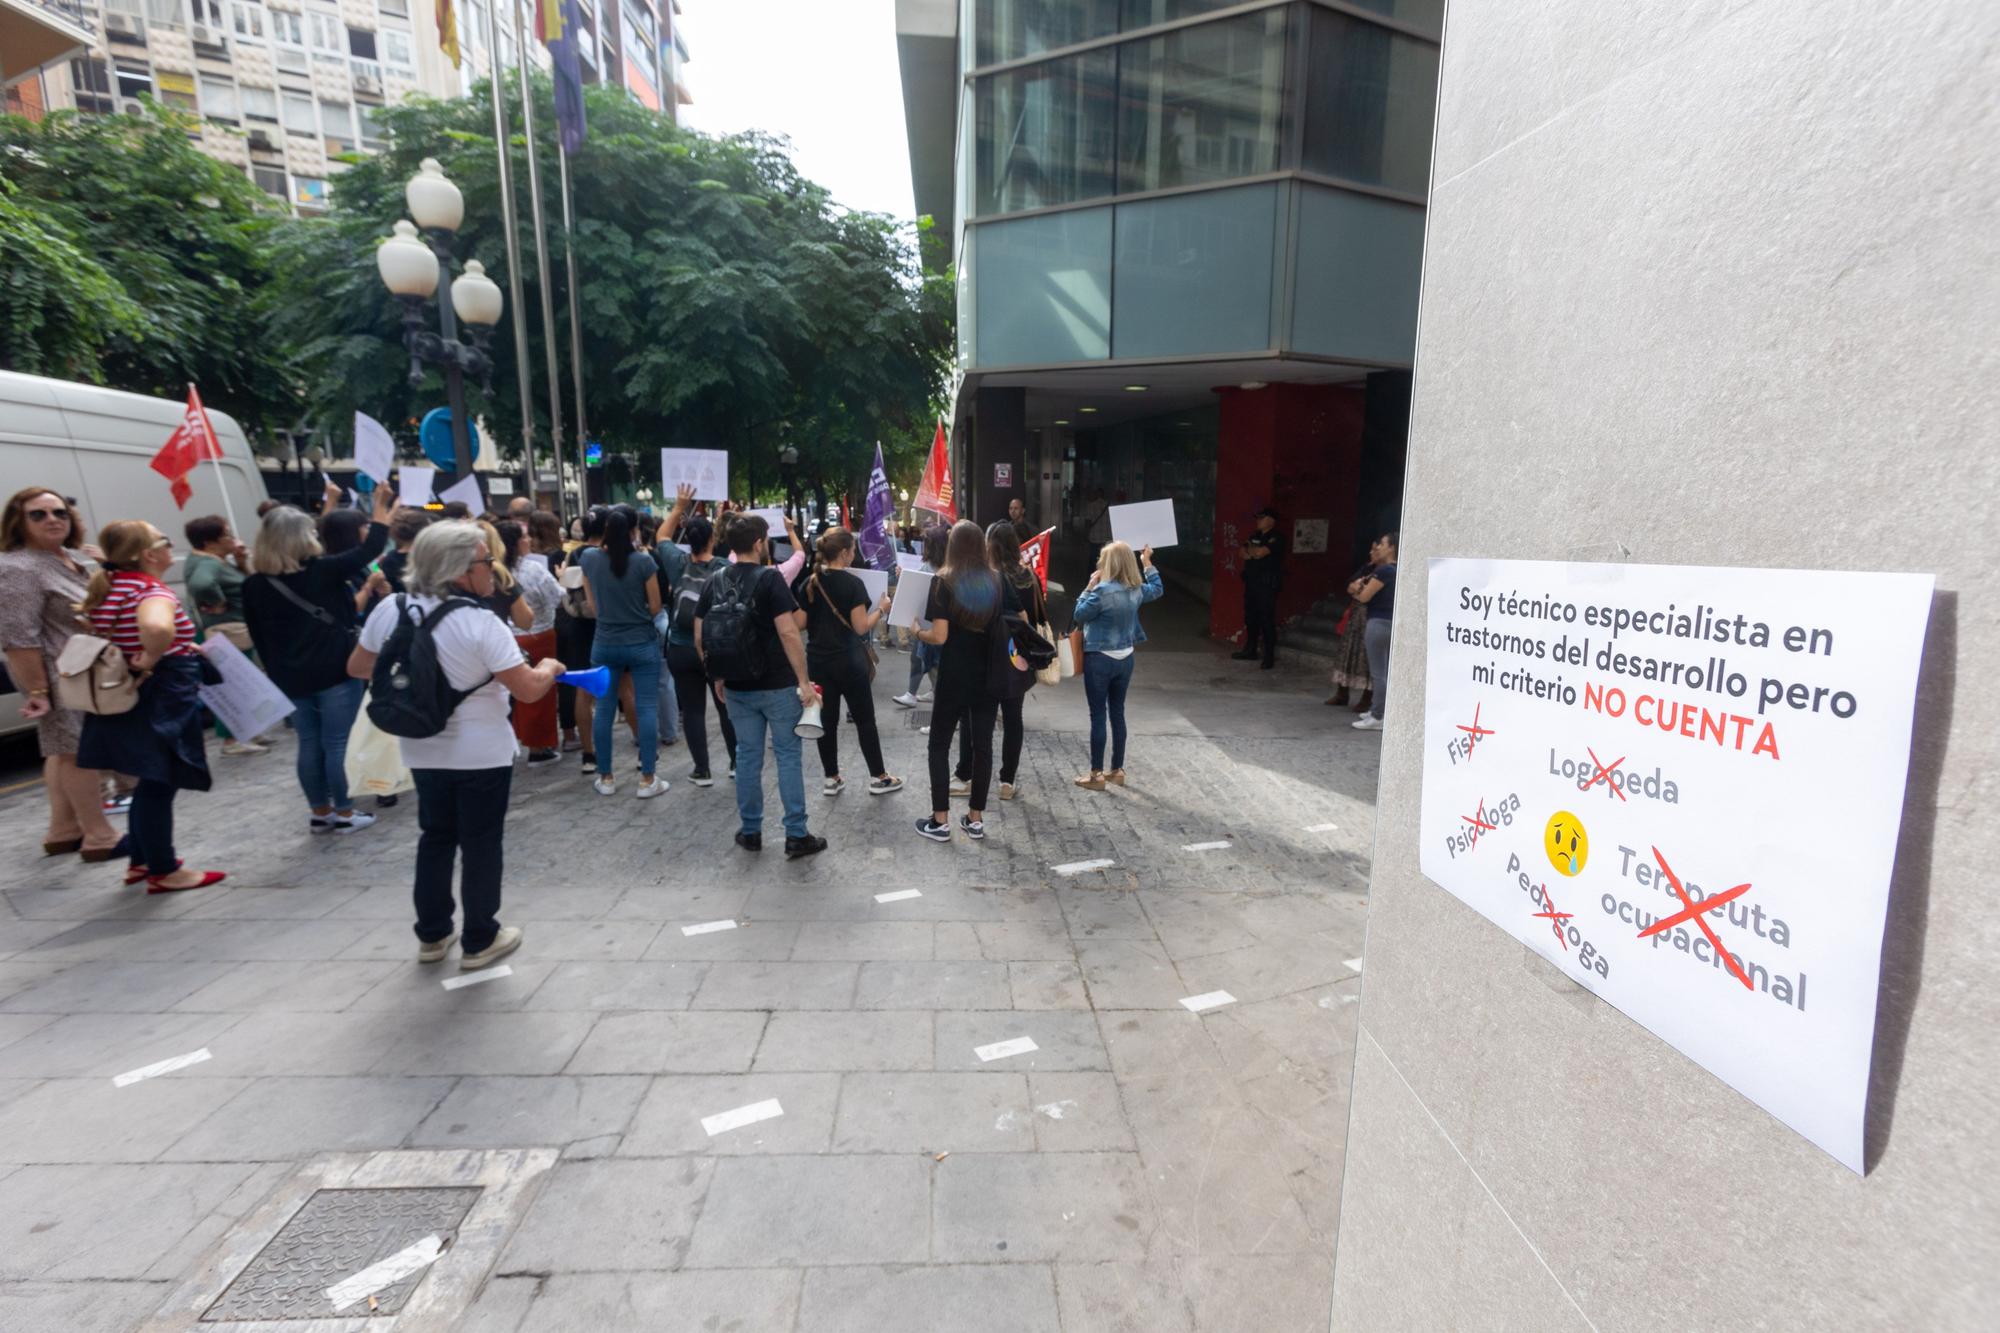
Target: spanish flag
x=447 y=22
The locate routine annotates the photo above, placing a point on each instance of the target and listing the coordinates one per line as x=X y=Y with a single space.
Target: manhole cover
x=336 y=1234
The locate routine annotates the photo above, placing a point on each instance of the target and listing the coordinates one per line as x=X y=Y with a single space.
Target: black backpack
x=731 y=647
x=1017 y=652
x=409 y=695
x=687 y=595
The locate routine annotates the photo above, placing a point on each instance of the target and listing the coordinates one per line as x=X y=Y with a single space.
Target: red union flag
x=192 y=443
x=1035 y=555
x=934 y=493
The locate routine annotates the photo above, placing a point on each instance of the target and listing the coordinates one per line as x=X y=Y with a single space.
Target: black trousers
x=1260 y=619
x=462 y=813
x=693 y=691
x=1011 y=735
x=973 y=715
x=847 y=680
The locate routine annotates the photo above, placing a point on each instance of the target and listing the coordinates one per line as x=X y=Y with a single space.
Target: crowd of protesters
x=692 y=610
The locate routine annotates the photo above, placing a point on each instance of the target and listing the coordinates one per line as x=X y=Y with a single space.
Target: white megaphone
x=810 y=727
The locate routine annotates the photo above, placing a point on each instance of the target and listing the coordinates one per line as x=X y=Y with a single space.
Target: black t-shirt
x=1382 y=606
x=963 y=663
x=830 y=637
x=770 y=599
x=1269 y=568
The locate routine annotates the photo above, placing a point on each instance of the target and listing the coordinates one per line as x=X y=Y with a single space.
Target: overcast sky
x=821 y=72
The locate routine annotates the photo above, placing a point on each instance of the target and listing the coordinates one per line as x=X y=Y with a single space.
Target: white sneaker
x=905 y=700
x=924 y=730
x=244 y=747
x=657 y=787
x=508 y=940
x=605 y=786
x=353 y=823
x=320 y=824
x=1368 y=722
x=435 y=951
x=1006 y=791
x=884 y=785
x=833 y=786
x=926 y=696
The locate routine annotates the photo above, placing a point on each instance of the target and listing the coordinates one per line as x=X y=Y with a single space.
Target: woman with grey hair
x=299 y=603
x=465 y=772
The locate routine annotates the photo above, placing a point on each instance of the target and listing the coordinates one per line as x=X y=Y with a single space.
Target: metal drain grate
x=336 y=1234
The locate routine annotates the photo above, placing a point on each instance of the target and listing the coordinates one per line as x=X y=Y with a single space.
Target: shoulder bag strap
x=318 y=613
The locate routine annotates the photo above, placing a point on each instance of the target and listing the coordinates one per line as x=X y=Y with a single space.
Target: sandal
x=135 y=874
x=1116 y=777
x=1094 y=781
x=157 y=884
x=61 y=847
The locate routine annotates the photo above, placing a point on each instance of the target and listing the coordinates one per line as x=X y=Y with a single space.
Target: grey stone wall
x=1709 y=282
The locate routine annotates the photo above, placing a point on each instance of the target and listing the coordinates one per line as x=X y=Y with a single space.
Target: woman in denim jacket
x=1108 y=615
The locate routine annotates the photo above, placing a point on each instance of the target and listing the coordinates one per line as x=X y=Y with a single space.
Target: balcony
x=34 y=33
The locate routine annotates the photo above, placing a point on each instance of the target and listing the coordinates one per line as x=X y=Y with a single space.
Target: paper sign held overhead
x=465 y=492
x=1147 y=523
x=413 y=486
x=707 y=470
x=374 y=450
x=875 y=580
x=1682 y=786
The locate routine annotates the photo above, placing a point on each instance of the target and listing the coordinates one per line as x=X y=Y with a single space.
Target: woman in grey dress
x=40 y=586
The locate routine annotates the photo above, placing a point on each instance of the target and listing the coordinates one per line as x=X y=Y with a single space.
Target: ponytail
x=618 y=540
x=125 y=543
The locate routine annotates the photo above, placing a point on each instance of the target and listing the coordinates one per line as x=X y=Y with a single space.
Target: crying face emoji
x=1566 y=843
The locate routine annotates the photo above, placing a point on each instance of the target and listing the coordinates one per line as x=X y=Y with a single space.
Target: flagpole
x=575 y=320
x=541 y=250
x=523 y=382
x=215 y=457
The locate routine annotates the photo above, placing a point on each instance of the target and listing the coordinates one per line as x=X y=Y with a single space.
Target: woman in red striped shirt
x=159 y=742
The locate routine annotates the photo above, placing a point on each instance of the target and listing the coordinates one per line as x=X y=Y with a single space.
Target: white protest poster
x=775 y=518
x=909 y=560
x=246 y=701
x=465 y=492
x=414 y=486
x=913 y=595
x=374 y=451
x=1682 y=786
x=1147 y=523
x=707 y=470
x=875 y=580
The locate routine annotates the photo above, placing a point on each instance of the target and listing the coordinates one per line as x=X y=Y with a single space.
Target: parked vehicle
x=96 y=447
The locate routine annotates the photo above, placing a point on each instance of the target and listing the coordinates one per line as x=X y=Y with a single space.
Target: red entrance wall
x=1297 y=448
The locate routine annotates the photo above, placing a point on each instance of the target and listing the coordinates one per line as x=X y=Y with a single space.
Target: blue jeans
x=1375 y=639
x=753 y=712
x=670 y=708
x=642 y=660
x=1105 y=680
x=322 y=722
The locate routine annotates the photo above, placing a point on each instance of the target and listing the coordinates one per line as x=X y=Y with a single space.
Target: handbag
x=1072 y=653
x=375 y=759
x=92 y=676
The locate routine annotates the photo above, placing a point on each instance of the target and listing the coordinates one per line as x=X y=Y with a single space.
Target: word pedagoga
x=1769 y=931
x=1586 y=955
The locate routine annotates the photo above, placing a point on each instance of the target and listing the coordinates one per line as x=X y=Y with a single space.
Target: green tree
x=176 y=263
x=721 y=293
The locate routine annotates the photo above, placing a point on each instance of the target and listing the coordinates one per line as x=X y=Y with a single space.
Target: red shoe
x=135 y=875
x=154 y=883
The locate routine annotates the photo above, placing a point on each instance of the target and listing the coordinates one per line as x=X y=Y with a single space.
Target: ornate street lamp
x=413 y=270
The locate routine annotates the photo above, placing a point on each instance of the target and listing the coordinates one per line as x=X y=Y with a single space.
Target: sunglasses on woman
x=40 y=515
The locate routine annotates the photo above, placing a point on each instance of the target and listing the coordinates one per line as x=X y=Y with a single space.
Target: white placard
x=775 y=519
x=913 y=597
x=374 y=450
x=465 y=492
x=875 y=580
x=1147 y=523
x=246 y=701
x=1606 y=746
x=413 y=486
x=499 y=485
x=707 y=470
x=909 y=560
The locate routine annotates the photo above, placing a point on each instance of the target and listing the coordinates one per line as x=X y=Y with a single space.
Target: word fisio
x=1587 y=956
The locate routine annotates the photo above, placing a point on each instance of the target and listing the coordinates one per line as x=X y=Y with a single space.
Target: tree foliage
x=133 y=259
x=721 y=293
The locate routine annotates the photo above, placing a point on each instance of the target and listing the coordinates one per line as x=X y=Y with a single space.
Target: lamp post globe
x=407 y=266
x=475 y=297
x=434 y=201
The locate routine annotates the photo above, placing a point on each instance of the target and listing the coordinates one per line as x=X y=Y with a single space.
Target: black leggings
x=692 y=690
x=1011 y=736
x=848 y=680
x=973 y=714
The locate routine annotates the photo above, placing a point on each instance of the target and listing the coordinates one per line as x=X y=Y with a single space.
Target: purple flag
x=873 y=539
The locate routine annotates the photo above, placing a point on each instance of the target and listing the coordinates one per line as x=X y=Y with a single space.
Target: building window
x=328 y=33
x=1045 y=134
x=218 y=99
x=249 y=20
x=286 y=28
x=396 y=47
x=399 y=9
x=1202 y=104
x=1423 y=15
x=299 y=118
x=361 y=43
x=259 y=104
x=271 y=180
x=338 y=120
x=1011 y=29
x=1369 y=102
x=134 y=81
x=309 y=192
x=374 y=135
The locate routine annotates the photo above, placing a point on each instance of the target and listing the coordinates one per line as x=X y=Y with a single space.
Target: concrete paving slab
x=90 y=1120
x=669 y=1043
x=862 y=941
x=77 y=1307
x=1036 y=1207
x=483 y=1043
x=498 y=1112
x=748 y=941
x=1065 y=1039
x=929 y=1113
x=313 y=987
x=933 y=985
x=669 y=1120
x=1047 y=986
x=110 y=1222
x=611 y=1214
x=777 y=986
x=114 y=987
x=105 y=1045
x=1078 y=1112
x=766 y=1212
x=847 y=1040
x=969 y=1298
x=1131 y=974
x=618 y=985
x=288 y=1119
x=740 y=1299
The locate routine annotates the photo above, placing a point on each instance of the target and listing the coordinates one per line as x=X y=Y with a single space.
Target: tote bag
x=375 y=760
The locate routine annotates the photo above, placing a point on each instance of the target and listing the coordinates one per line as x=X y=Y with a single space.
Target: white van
x=96 y=447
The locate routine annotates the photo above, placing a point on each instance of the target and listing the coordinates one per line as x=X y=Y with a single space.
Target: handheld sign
x=414 y=486
x=913 y=595
x=707 y=470
x=1147 y=523
x=875 y=580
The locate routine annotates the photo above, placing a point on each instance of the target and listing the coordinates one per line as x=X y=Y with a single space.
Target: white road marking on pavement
x=387 y=1273
x=1078 y=867
x=474 y=978
x=1321 y=828
x=1000 y=1050
x=1205 y=846
x=167 y=1066
x=741 y=1116
x=898 y=895
x=1196 y=1003
x=1353 y=964
x=708 y=926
